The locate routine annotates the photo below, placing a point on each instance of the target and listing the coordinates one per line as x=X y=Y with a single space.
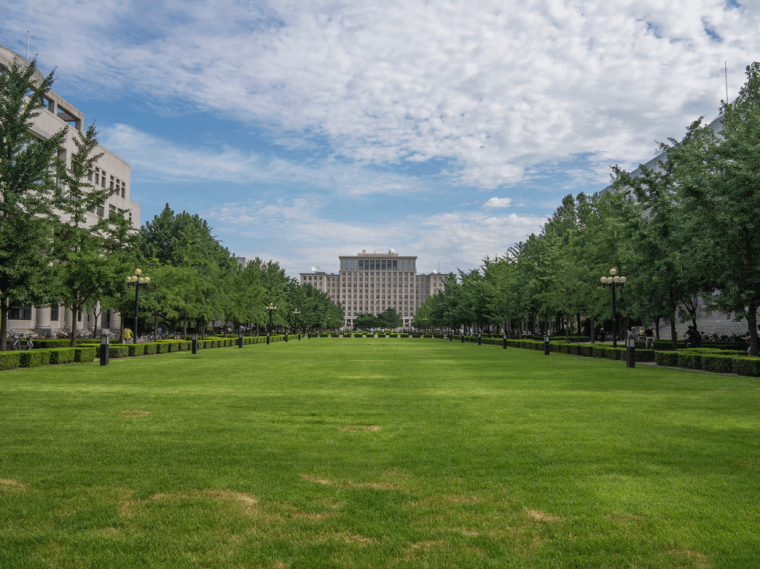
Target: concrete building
x=111 y=173
x=370 y=283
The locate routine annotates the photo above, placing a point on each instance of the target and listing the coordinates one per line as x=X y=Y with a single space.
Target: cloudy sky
x=449 y=129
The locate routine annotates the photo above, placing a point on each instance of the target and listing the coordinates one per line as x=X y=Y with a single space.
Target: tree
x=718 y=177
x=389 y=319
x=82 y=264
x=26 y=186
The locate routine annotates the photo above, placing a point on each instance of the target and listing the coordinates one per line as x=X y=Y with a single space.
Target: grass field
x=377 y=453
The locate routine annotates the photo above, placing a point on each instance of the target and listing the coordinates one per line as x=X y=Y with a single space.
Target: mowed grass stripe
x=377 y=453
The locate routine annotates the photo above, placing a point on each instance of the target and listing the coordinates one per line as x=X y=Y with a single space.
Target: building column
x=115 y=322
x=42 y=326
x=68 y=316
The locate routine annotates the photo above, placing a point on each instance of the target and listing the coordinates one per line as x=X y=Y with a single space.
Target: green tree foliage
x=26 y=188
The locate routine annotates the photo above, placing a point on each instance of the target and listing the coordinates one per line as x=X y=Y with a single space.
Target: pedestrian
x=127 y=335
x=650 y=338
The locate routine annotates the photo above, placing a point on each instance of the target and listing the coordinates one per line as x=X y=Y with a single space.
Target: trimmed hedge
x=9 y=360
x=84 y=354
x=665 y=358
x=718 y=364
x=747 y=366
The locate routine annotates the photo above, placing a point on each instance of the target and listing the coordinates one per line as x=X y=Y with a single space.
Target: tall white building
x=370 y=283
x=111 y=173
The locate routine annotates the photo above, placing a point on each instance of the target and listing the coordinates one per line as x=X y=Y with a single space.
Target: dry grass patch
x=247 y=503
x=360 y=428
x=10 y=484
x=135 y=413
x=545 y=517
x=693 y=559
x=323 y=481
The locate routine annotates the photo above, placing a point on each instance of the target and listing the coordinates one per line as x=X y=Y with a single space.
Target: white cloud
x=494 y=88
x=159 y=159
x=306 y=237
x=497 y=203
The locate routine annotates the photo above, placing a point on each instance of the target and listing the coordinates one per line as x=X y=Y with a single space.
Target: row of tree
x=50 y=251
x=686 y=235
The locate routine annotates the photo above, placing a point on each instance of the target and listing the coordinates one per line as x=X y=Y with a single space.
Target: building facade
x=111 y=173
x=370 y=283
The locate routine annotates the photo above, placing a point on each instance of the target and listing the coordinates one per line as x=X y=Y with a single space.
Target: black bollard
x=630 y=359
x=268 y=334
x=195 y=344
x=504 y=342
x=480 y=338
x=299 y=336
x=105 y=350
x=286 y=336
x=240 y=341
x=547 y=339
x=451 y=336
x=463 y=337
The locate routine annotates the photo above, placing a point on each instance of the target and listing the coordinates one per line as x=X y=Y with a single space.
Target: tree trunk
x=567 y=330
x=184 y=335
x=3 y=323
x=121 y=328
x=74 y=319
x=752 y=325
x=657 y=328
x=95 y=330
x=155 y=325
x=203 y=329
x=673 y=333
x=592 y=332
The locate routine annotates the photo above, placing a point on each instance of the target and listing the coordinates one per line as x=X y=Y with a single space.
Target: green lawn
x=377 y=453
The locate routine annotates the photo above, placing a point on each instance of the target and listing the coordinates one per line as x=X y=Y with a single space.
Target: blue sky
x=450 y=130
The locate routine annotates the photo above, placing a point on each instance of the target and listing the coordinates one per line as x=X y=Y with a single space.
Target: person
x=127 y=335
x=650 y=338
x=692 y=337
x=601 y=334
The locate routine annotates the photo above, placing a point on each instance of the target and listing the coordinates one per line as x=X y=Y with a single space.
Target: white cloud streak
x=496 y=89
x=497 y=203
x=456 y=239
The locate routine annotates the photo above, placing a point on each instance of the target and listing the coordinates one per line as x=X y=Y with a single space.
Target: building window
x=54 y=312
x=103 y=180
x=101 y=211
x=20 y=312
x=111 y=209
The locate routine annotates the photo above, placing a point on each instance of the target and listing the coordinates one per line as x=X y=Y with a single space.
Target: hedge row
x=54 y=356
x=710 y=361
x=87 y=353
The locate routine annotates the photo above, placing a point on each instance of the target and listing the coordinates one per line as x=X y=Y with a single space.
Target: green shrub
x=747 y=366
x=645 y=355
x=84 y=354
x=47 y=344
x=689 y=360
x=33 y=358
x=120 y=351
x=666 y=358
x=587 y=350
x=150 y=349
x=599 y=351
x=62 y=355
x=136 y=350
x=718 y=363
x=9 y=360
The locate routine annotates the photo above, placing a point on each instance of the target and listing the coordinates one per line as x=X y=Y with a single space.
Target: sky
x=448 y=130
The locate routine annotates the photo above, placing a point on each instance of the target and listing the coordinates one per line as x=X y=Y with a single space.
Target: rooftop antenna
x=725 y=64
x=27 y=45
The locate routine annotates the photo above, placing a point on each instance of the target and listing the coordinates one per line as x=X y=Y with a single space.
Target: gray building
x=111 y=173
x=374 y=282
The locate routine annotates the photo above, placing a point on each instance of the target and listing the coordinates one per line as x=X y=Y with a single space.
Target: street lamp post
x=136 y=280
x=271 y=308
x=297 y=312
x=614 y=282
